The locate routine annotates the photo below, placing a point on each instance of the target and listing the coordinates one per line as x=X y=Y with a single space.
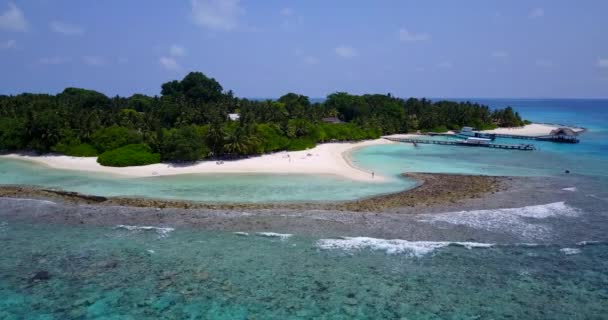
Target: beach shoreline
x=533 y=130
x=324 y=159
x=431 y=189
x=376 y=217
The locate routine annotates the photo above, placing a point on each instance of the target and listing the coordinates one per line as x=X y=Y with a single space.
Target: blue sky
x=475 y=48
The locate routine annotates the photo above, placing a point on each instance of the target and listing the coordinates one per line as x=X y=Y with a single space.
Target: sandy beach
x=531 y=130
x=329 y=158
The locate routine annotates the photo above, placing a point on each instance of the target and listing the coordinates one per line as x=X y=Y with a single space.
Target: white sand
x=530 y=130
x=329 y=158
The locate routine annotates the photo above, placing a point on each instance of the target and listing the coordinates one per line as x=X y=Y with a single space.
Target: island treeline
x=190 y=121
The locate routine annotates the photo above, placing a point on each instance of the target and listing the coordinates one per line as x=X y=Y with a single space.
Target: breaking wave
x=161 y=231
x=525 y=221
x=394 y=246
x=282 y=236
x=570 y=251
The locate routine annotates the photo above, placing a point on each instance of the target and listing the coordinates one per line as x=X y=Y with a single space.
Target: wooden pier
x=464 y=143
x=514 y=136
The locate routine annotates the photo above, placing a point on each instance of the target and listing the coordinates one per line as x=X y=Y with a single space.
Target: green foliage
x=439 y=129
x=12 y=134
x=129 y=155
x=507 y=117
x=296 y=105
x=486 y=126
x=114 y=137
x=301 y=144
x=271 y=138
x=76 y=150
x=185 y=144
x=190 y=120
x=194 y=86
x=83 y=98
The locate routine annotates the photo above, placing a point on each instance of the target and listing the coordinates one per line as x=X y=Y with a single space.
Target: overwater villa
x=566 y=135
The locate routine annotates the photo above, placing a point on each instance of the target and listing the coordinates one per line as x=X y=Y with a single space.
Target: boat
x=477 y=141
x=469 y=132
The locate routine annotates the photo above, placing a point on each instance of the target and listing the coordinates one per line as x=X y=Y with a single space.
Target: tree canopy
x=189 y=121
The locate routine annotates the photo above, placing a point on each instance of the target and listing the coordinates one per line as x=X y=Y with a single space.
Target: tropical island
x=195 y=119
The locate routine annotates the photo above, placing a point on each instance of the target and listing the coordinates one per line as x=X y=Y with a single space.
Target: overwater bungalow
x=566 y=135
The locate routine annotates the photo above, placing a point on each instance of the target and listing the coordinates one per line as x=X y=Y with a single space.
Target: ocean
x=544 y=260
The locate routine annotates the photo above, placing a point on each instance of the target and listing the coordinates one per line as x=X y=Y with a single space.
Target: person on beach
x=373 y=174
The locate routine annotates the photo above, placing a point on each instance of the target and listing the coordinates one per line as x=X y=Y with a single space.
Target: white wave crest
x=513 y=220
x=571 y=189
x=394 y=246
x=570 y=251
x=32 y=200
x=588 y=243
x=242 y=234
x=282 y=236
x=161 y=231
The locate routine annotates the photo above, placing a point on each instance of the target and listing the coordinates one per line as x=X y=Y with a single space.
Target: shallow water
x=547 y=261
x=110 y=273
x=590 y=157
x=245 y=188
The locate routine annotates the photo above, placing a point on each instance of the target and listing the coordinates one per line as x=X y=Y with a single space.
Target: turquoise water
x=523 y=263
x=107 y=273
x=590 y=157
x=246 y=188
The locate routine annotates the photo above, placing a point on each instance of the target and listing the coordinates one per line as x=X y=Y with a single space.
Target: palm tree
x=216 y=138
x=241 y=141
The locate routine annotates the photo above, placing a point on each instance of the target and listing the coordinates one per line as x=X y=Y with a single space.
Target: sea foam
x=32 y=200
x=571 y=189
x=393 y=246
x=513 y=220
x=161 y=231
x=282 y=236
x=570 y=251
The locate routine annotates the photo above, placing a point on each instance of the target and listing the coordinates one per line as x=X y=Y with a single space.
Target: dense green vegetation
x=129 y=155
x=189 y=121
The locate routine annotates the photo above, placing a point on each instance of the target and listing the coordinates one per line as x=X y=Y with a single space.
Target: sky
x=264 y=49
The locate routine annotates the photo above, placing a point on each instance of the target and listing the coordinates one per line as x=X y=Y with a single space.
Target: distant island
x=195 y=119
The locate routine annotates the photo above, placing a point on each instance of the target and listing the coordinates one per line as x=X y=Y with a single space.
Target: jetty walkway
x=464 y=143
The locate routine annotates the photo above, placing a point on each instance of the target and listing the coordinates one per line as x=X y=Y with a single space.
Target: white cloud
x=287 y=12
x=94 y=61
x=169 y=63
x=217 y=14
x=406 y=35
x=54 y=60
x=177 y=51
x=13 y=19
x=537 y=13
x=310 y=60
x=445 y=65
x=602 y=63
x=346 y=52
x=66 y=28
x=9 y=44
x=500 y=54
x=544 y=63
